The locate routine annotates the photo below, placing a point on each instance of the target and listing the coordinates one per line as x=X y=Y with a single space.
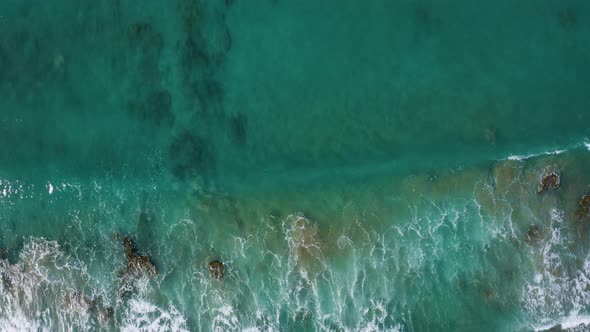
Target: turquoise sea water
x=356 y=166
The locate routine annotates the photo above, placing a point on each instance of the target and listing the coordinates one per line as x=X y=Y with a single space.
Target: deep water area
x=275 y=165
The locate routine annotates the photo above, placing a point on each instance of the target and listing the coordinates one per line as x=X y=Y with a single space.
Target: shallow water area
x=355 y=166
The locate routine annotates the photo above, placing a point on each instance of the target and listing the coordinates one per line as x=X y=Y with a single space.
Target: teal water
x=357 y=166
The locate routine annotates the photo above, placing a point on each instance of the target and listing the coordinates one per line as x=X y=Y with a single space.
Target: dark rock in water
x=556 y=328
x=128 y=247
x=550 y=180
x=216 y=269
x=79 y=300
x=6 y=281
x=560 y=328
x=534 y=234
x=137 y=265
x=4 y=253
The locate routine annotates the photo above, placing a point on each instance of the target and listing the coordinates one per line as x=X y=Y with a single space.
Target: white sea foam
x=225 y=319
x=586 y=144
x=145 y=316
x=521 y=157
x=16 y=321
x=300 y=278
x=556 y=293
x=524 y=157
x=44 y=271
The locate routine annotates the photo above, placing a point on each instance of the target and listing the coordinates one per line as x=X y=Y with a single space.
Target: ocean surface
x=355 y=165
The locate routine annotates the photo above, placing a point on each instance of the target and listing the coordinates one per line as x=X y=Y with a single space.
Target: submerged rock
x=128 y=247
x=141 y=264
x=490 y=135
x=534 y=234
x=585 y=204
x=490 y=293
x=80 y=302
x=216 y=269
x=550 y=180
x=137 y=265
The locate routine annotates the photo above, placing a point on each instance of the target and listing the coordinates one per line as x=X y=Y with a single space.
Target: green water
x=357 y=166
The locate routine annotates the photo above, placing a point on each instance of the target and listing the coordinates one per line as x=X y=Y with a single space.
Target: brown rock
x=550 y=180
x=216 y=269
x=137 y=265
x=129 y=247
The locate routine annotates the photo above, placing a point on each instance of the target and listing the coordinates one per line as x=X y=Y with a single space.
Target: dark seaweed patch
x=227 y=40
x=156 y=109
x=159 y=105
x=3 y=61
x=422 y=15
x=567 y=17
x=209 y=93
x=213 y=89
x=194 y=54
x=425 y=21
x=238 y=128
x=190 y=155
x=143 y=35
x=147 y=43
